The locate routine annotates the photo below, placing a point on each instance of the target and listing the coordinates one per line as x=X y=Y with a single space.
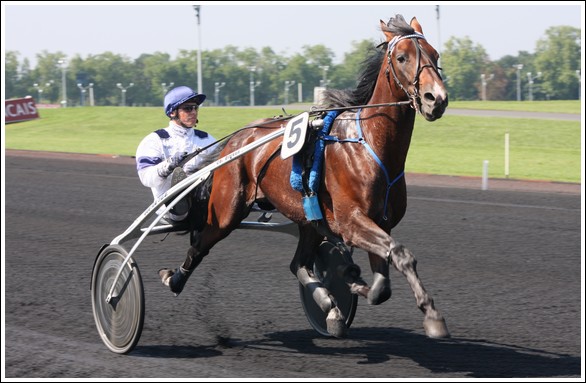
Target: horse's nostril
x=429 y=97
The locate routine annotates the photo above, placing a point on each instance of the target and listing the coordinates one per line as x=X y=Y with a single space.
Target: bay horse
x=362 y=191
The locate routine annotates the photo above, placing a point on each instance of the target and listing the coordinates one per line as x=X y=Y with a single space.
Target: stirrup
x=182 y=225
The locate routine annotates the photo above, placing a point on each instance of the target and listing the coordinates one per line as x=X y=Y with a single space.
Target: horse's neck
x=389 y=130
x=392 y=126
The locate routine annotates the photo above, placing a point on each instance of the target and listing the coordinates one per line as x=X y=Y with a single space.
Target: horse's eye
x=401 y=59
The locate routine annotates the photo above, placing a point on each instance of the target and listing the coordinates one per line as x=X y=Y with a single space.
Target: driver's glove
x=166 y=167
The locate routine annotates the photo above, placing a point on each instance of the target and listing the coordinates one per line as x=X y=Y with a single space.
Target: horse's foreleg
x=335 y=321
x=433 y=322
x=319 y=293
x=302 y=266
x=368 y=236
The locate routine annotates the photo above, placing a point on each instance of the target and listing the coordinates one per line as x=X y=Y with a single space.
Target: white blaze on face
x=439 y=91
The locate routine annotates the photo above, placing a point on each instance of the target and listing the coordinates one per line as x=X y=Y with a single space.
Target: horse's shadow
x=475 y=358
x=179 y=352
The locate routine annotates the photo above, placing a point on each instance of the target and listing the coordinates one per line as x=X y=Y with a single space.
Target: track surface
x=504 y=268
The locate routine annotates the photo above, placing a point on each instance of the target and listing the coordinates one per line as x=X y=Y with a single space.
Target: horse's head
x=412 y=63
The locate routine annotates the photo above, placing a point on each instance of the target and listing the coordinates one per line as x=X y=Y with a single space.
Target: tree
x=462 y=64
x=151 y=72
x=11 y=75
x=558 y=57
x=345 y=75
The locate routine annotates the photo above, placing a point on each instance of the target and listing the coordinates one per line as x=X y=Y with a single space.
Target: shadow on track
x=476 y=358
x=176 y=352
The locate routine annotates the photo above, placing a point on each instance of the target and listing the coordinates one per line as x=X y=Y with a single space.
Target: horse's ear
x=415 y=25
x=384 y=28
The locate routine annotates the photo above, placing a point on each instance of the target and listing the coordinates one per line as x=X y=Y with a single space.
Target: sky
x=134 y=28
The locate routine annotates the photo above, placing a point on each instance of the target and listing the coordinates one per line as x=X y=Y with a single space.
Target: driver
x=159 y=154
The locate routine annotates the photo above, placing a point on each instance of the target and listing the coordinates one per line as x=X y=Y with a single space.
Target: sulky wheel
x=328 y=264
x=120 y=320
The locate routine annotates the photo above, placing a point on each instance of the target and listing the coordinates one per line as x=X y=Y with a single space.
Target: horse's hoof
x=174 y=279
x=166 y=275
x=436 y=328
x=336 y=324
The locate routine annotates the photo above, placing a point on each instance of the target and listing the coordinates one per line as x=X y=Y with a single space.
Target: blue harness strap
x=314 y=176
x=311 y=202
x=379 y=162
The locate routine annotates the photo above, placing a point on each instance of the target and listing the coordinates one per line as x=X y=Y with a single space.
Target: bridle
x=415 y=97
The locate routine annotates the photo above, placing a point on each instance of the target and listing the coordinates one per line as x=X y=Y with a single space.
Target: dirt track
x=503 y=266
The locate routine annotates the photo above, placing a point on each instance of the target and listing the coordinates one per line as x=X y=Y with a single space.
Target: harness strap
x=379 y=162
x=310 y=198
x=360 y=139
x=318 y=153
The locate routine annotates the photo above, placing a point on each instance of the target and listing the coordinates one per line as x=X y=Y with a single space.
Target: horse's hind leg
x=380 y=290
x=433 y=322
x=177 y=279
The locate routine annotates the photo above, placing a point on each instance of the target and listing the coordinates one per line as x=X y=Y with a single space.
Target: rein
x=312 y=111
x=414 y=99
x=344 y=108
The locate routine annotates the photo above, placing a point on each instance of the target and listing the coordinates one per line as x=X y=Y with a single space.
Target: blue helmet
x=180 y=95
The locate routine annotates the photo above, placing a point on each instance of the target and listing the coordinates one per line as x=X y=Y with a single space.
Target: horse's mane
x=398 y=26
x=335 y=98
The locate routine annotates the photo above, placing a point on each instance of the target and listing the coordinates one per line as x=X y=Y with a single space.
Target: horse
x=361 y=191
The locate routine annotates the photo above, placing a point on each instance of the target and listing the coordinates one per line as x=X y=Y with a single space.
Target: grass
x=454 y=145
x=114 y=130
x=571 y=106
x=539 y=149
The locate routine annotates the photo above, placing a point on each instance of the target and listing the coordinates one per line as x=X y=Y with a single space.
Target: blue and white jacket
x=163 y=143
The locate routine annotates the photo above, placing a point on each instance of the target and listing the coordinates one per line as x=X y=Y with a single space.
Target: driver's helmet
x=180 y=95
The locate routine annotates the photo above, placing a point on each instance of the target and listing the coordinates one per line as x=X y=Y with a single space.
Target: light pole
x=82 y=93
x=287 y=85
x=83 y=90
x=579 y=84
x=324 y=81
x=197 y=9
x=530 y=78
x=62 y=62
x=166 y=87
x=519 y=67
x=40 y=90
x=485 y=81
x=217 y=87
x=439 y=41
x=123 y=89
x=253 y=84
